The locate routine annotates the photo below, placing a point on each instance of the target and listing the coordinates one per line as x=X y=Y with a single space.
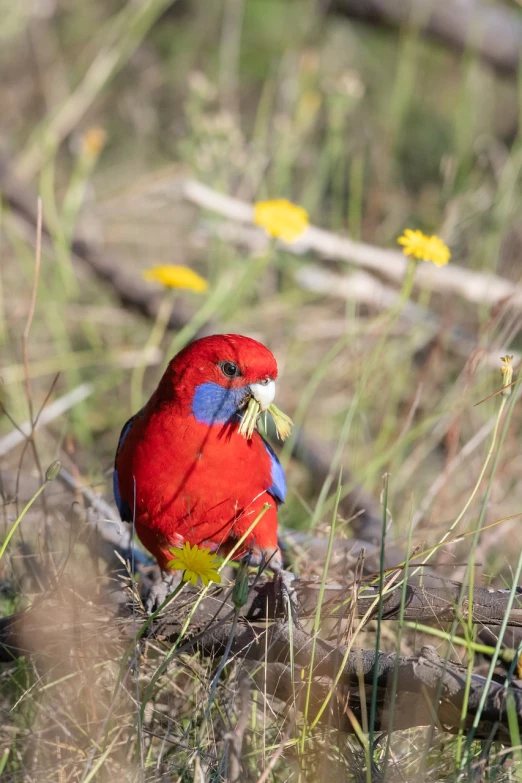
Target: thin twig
x=52 y=411
x=25 y=337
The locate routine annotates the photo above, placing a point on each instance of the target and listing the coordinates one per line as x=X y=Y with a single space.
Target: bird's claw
x=265 y=558
x=160 y=589
x=284 y=580
x=285 y=585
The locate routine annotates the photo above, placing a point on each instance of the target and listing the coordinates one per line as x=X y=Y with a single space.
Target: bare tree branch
x=477 y=287
x=211 y=621
x=492 y=30
x=427 y=685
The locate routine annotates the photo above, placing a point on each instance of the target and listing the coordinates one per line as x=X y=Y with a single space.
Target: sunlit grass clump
x=282 y=422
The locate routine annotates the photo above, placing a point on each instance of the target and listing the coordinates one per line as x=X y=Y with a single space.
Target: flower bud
x=241 y=586
x=53 y=470
x=506 y=370
x=93 y=141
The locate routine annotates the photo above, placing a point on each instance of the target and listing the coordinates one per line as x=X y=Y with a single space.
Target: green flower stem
x=364 y=619
x=408 y=282
x=317 y=619
x=473 y=493
x=496 y=655
x=155 y=337
x=506 y=655
x=52 y=472
x=373 y=709
x=400 y=629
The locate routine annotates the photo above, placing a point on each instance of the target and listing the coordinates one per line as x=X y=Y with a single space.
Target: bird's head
x=214 y=377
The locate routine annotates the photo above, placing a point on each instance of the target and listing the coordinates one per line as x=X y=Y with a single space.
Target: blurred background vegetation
x=372 y=126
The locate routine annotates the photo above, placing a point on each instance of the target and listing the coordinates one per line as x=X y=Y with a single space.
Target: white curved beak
x=264 y=393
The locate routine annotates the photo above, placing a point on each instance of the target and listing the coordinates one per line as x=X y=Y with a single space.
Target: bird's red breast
x=184 y=473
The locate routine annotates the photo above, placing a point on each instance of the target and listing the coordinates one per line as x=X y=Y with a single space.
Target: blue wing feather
x=278 y=486
x=123 y=507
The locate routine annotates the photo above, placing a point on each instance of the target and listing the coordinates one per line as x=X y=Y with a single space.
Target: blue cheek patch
x=278 y=487
x=215 y=404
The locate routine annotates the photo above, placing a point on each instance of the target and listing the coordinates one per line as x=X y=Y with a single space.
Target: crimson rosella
x=183 y=472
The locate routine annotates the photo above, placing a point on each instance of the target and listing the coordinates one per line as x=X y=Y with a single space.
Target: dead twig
x=25 y=431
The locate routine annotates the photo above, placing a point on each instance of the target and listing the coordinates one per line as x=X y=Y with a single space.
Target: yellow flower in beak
x=282 y=422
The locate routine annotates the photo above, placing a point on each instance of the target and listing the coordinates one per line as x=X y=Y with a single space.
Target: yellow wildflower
x=195 y=562
x=506 y=370
x=172 y=276
x=93 y=141
x=425 y=248
x=281 y=219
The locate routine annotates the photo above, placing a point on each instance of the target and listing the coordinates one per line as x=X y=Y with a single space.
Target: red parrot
x=183 y=472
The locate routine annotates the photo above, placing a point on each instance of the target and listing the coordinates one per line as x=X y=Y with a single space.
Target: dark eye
x=230 y=369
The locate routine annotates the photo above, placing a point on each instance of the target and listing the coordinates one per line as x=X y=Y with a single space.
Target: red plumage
x=184 y=472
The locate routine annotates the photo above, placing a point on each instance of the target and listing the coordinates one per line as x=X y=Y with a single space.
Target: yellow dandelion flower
x=281 y=219
x=172 y=276
x=425 y=248
x=93 y=141
x=195 y=562
x=506 y=370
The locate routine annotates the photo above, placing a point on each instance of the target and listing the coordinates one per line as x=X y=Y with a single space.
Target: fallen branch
x=434 y=600
x=476 y=287
x=427 y=686
x=422 y=676
x=491 y=30
x=430 y=691
x=211 y=622
x=431 y=599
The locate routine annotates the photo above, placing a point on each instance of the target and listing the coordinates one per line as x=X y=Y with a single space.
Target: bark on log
x=492 y=30
x=428 y=686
